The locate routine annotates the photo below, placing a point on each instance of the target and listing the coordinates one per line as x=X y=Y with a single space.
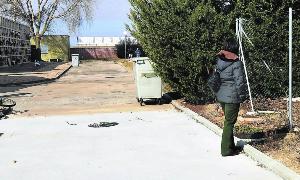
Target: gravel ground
x=95 y=86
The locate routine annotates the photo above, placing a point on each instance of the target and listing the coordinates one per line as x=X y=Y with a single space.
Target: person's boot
x=1 y=114
x=234 y=152
x=239 y=148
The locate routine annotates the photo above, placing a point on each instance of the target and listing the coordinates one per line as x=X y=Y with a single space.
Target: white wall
x=100 y=41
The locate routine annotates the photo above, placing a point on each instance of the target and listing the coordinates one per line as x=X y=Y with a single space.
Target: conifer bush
x=182 y=38
x=267 y=61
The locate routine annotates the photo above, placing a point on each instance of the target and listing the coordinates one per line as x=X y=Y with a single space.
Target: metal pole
x=290 y=67
x=237 y=27
x=125 y=46
x=244 y=63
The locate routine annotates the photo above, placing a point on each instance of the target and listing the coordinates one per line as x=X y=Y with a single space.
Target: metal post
x=242 y=57
x=290 y=67
x=237 y=27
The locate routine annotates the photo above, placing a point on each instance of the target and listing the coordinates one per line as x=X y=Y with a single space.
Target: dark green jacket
x=233 y=81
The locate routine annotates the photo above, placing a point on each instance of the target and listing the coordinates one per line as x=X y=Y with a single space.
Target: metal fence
x=285 y=109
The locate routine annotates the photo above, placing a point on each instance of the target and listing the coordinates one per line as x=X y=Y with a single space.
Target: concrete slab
x=145 y=145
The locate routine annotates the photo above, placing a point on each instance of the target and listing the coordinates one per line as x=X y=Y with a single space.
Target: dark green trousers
x=231 y=112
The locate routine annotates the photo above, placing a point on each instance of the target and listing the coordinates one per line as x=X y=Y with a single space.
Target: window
x=44 y=49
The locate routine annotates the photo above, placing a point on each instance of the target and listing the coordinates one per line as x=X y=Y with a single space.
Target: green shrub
x=182 y=37
x=267 y=26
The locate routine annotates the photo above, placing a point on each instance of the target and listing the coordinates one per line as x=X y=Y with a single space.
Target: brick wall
x=94 y=52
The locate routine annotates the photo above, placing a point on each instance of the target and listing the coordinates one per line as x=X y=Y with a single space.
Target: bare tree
x=40 y=15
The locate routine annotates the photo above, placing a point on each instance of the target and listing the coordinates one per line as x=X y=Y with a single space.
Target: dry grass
x=127 y=64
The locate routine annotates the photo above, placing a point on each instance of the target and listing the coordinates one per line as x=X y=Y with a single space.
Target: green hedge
x=182 y=37
x=267 y=25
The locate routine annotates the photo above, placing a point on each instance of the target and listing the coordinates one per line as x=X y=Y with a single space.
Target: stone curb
x=271 y=164
x=38 y=81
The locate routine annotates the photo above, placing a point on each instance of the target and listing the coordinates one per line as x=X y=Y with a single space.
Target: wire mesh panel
x=268 y=72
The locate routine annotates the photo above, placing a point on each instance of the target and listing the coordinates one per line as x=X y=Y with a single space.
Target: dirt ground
x=279 y=142
x=95 y=86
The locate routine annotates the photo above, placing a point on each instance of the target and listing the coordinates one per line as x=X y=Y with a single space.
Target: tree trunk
x=38 y=47
x=38 y=41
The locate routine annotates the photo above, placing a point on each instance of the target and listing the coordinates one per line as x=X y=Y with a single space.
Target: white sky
x=110 y=17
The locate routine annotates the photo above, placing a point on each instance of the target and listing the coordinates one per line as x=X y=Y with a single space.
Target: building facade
x=14 y=42
x=55 y=47
x=101 y=41
x=100 y=47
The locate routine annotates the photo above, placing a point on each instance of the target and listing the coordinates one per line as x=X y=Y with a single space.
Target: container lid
x=139 y=58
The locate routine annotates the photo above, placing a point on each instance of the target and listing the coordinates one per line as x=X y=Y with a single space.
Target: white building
x=101 y=41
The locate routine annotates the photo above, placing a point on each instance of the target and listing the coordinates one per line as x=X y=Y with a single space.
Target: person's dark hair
x=231 y=45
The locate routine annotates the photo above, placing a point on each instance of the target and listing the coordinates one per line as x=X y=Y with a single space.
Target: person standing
x=232 y=92
x=137 y=52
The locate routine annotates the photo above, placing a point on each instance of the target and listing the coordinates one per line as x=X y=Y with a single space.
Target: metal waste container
x=75 y=60
x=148 y=83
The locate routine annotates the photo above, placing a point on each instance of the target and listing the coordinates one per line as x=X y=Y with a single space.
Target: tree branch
x=40 y=14
x=74 y=5
x=30 y=16
x=50 y=16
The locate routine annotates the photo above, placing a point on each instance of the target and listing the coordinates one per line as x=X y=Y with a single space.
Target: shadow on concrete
x=172 y=95
x=8 y=80
x=24 y=75
x=18 y=112
x=165 y=99
x=17 y=95
x=19 y=69
x=11 y=88
x=4 y=112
